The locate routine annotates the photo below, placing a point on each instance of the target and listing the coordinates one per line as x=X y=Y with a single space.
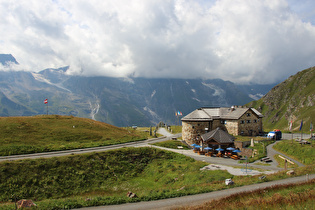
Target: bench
x=266 y=159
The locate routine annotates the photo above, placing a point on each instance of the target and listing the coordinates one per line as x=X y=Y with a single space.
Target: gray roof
x=198 y=115
x=209 y=114
x=219 y=136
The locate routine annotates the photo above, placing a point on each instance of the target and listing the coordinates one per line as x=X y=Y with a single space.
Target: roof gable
x=204 y=114
x=217 y=135
x=198 y=114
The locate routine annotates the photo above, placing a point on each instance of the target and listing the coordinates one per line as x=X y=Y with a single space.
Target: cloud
x=238 y=40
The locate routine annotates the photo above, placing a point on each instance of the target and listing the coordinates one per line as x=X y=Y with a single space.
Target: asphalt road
x=162 y=131
x=87 y=150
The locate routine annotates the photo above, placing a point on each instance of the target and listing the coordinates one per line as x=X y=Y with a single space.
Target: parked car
x=275 y=134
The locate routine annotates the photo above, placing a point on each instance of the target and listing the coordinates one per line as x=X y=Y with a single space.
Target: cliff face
x=291 y=100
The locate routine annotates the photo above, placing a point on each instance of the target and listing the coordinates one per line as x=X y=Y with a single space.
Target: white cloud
x=239 y=40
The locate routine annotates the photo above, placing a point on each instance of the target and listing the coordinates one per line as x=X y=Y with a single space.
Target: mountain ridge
x=117 y=101
x=291 y=100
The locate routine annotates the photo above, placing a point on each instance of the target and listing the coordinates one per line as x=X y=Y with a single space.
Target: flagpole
x=311 y=129
x=291 y=131
x=46 y=102
x=301 y=128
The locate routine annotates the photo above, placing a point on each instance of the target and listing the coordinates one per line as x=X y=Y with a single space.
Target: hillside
x=291 y=100
x=21 y=135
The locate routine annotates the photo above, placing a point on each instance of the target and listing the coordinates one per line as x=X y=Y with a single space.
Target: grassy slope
x=302 y=153
x=20 y=135
x=293 y=196
x=105 y=177
x=293 y=99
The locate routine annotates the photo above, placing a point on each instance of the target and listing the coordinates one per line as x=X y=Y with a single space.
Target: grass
x=248 y=138
x=281 y=163
x=176 y=129
x=261 y=150
x=22 y=135
x=105 y=178
x=291 y=196
x=303 y=153
x=173 y=144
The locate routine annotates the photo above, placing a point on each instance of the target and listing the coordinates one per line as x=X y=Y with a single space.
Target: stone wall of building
x=241 y=146
x=249 y=124
x=232 y=127
x=191 y=131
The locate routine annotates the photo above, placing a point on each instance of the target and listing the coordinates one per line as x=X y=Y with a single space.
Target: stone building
x=234 y=120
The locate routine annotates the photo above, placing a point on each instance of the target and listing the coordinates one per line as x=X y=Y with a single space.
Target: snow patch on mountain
x=257 y=96
x=41 y=78
x=193 y=90
x=127 y=79
x=152 y=113
x=217 y=91
x=94 y=109
x=153 y=93
x=196 y=99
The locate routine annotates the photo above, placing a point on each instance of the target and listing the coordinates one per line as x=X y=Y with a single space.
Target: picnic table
x=235 y=157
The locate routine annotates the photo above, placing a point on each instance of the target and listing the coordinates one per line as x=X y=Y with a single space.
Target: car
x=275 y=134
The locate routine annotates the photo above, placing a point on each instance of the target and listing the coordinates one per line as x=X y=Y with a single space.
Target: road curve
x=87 y=150
x=198 y=199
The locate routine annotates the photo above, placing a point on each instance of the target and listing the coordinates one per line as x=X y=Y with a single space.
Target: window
x=242 y=122
x=248 y=114
x=248 y=121
x=255 y=121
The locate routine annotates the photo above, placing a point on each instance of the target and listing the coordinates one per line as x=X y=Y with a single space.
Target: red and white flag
x=46 y=101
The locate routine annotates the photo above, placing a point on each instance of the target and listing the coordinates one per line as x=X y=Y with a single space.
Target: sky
x=243 y=41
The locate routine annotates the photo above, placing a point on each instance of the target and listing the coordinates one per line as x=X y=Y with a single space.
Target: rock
x=131 y=195
x=181 y=188
x=25 y=203
x=291 y=172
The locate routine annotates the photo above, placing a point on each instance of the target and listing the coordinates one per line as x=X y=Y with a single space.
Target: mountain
x=117 y=101
x=5 y=59
x=292 y=100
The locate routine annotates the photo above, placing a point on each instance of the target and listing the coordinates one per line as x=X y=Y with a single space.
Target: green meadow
x=104 y=178
x=23 y=135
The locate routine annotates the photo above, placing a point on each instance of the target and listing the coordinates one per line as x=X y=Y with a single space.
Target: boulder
x=291 y=172
x=25 y=203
